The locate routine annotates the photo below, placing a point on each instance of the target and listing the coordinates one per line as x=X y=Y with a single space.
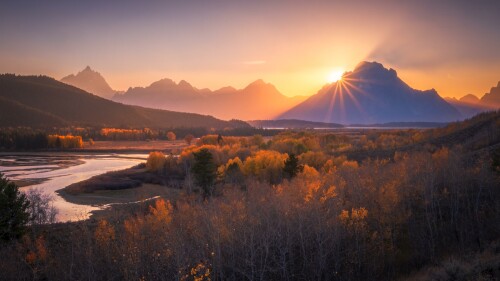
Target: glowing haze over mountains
x=452 y=46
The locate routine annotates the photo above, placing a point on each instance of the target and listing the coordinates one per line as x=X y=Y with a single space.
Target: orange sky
x=451 y=46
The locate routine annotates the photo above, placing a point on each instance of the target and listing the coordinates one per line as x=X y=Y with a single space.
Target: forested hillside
x=40 y=101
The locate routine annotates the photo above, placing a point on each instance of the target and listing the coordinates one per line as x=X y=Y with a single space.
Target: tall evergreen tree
x=14 y=215
x=292 y=167
x=204 y=171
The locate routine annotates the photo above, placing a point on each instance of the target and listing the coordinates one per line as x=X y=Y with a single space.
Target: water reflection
x=54 y=171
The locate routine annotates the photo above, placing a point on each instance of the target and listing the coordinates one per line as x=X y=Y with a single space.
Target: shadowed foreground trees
x=14 y=215
x=374 y=220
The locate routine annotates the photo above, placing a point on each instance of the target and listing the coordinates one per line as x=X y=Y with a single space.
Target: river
x=54 y=171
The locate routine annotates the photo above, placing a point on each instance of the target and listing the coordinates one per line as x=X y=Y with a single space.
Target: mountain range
x=371 y=94
x=41 y=101
x=258 y=100
x=470 y=105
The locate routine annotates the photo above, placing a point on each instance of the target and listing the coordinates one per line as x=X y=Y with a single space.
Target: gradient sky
x=452 y=46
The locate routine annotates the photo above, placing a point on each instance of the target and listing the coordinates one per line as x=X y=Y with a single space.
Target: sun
x=335 y=76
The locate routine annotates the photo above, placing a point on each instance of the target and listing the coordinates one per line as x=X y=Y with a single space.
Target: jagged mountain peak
x=90 y=81
x=492 y=98
x=164 y=82
x=371 y=93
x=261 y=85
x=184 y=84
x=368 y=71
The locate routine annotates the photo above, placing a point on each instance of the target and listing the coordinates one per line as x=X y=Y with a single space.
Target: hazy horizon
x=451 y=46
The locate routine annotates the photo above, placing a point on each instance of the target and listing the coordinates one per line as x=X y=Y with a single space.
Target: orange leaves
x=355 y=217
x=68 y=141
x=265 y=165
x=37 y=252
x=350 y=164
x=313 y=159
x=104 y=232
x=344 y=216
x=124 y=134
x=161 y=213
x=441 y=155
x=359 y=213
x=199 y=272
x=159 y=217
x=171 y=136
x=156 y=161
x=312 y=189
x=328 y=194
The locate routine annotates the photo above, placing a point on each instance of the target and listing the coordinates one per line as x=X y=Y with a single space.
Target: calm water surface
x=54 y=171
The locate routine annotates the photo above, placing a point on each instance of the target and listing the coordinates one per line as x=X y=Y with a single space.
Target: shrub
x=156 y=161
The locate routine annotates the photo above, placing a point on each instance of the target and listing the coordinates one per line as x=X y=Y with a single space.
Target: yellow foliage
x=308 y=174
x=350 y=164
x=359 y=213
x=328 y=194
x=199 y=272
x=329 y=167
x=312 y=189
x=235 y=161
x=68 y=141
x=161 y=213
x=156 y=161
x=313 y=159
x=125 y=134
x=265 y=165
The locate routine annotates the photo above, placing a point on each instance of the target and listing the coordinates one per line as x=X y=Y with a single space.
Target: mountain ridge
x=493 y=97
x=257 y=100
x=31 y=97
x=373 y=94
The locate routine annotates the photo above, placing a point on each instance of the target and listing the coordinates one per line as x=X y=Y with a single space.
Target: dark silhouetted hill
x=40 y=101
x=373 y=94
x=259 y=100
x=90 y=81
x=479 y=132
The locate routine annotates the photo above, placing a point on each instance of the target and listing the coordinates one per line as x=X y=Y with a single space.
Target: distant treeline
x=25 y=138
